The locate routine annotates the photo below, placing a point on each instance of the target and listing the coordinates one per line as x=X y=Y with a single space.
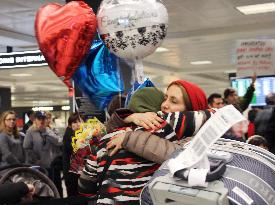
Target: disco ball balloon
x=132 y=29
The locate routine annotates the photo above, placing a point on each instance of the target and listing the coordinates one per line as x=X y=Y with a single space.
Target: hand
x=31 y=189
x=254 y=77
x=148 y=120
x=115 y=143
x=29 y=196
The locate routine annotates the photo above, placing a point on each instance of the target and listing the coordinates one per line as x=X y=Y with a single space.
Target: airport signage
x=255 y=55
x=22 y=59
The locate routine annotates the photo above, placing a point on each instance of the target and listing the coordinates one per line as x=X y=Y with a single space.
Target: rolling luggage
x=249 y=178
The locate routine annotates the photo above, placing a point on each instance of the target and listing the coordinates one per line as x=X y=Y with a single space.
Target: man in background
x=240 y=103
x=263 y=117
x=30 y=115
x=215 y=101
x=270 y=131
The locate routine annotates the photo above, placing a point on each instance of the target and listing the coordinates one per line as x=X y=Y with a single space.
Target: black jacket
x=270 y=132
x=67 y=149
x=27 y=126
x=12 y=193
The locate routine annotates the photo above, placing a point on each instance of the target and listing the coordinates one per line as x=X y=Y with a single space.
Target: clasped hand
x=148 y=120
x=115 y=144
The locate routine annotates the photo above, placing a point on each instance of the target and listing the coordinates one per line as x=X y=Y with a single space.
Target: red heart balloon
x=64 y=34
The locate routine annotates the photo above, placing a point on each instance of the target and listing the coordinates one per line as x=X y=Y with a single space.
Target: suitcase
x=249 y=178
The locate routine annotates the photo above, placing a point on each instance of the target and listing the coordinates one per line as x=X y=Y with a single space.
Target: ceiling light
x=200 y=62
x=66 y=107
x=21 y=74
x=42 y=108
x=257 y=8
x=161 y=49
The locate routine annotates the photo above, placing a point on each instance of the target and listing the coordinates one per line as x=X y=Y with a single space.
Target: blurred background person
x=263 y=116
x=71 y=179
x=251 y=125
x=259 y=141
x=11 y=149
x=270 y=132
x=237 y=132
x=26 y=126
x=215 y=101
x=240 y=103
x=56 y=165
x=49 y=122
x=40 y=143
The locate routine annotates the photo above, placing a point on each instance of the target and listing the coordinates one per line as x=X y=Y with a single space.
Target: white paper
x=197 y=177
x=209 y=133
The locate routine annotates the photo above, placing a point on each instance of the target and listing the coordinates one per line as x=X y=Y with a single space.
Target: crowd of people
x=140 y=137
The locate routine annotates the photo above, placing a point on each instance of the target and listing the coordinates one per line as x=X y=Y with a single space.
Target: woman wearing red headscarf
x=120 y=177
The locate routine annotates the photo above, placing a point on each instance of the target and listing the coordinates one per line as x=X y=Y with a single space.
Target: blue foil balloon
x=99 y=75
x=137 y=86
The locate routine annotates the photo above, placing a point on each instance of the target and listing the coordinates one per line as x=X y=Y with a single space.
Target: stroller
x=45 y=190
x=44 y=187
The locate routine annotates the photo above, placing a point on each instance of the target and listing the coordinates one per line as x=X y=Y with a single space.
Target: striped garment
x=128 y=173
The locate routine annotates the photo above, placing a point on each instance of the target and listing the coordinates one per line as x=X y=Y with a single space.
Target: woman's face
x=173 y=100
x=10 y=121
x=76 y=125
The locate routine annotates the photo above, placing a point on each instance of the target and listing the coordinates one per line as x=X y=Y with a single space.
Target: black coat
x=67 y=149
x=12 y=192
x=270 y=132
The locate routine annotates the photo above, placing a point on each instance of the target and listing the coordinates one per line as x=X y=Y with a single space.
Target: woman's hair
x=48 y=114
x=257 y=140
x=3 y=127
x=117 y=102
x=74 y=117
x=193 y=96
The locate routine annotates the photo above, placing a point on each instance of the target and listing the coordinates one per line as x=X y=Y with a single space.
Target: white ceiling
x=198 y=30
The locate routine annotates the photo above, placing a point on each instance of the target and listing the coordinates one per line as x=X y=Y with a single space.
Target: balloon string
x=75 y=107
x=139 y=71
x=120 y=81
x=77 y=111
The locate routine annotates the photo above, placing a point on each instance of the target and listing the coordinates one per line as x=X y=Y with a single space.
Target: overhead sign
x=254 y=55
x=22 y=59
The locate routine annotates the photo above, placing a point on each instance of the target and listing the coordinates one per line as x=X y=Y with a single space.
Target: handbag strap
x=103 y=174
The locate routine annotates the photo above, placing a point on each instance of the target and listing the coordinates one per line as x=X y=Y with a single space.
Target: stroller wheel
x=31 y=172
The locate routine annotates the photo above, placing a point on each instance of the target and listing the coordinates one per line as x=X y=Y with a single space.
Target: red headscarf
x=196 y=95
